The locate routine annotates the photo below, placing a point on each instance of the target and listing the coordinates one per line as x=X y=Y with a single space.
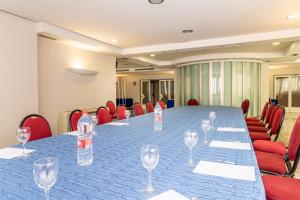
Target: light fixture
x=275 y=43
x=156 y=1
x=187 y=31
x=152 y=55
x=114 y=41
x=293 y=16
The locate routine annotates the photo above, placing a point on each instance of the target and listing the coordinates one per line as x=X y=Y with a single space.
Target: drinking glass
x=45 y=171
x=212 y=117
x=149 y=158
x=127 y=115
x=191 y=140
x=205 y=126
x=95 y=122
x=23 y=134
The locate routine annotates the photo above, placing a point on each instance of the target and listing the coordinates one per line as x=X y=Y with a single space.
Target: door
x=145 y=92
x=287 y=91
x=166 y=90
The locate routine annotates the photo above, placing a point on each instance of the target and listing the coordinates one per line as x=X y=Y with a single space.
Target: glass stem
x=191 y=159
x=150 y=188
x=127 y=120
x=23 y=143
x=47 y=191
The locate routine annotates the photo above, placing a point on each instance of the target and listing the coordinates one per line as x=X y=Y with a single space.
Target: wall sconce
x=83 y=71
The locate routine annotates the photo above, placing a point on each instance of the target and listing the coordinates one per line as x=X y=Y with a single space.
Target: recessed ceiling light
x=275 y=43
x=156 y=1
x=152 y=55
x=295 y=54
x=187 y=31
x=114 y=41
x=293 y=16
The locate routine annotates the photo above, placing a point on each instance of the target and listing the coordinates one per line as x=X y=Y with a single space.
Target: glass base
x=149 y=189
x=26 y=155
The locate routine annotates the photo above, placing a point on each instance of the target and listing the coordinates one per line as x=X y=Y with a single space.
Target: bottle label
x=84 y=143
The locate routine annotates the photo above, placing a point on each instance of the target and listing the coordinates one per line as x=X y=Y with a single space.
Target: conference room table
x=117 y=171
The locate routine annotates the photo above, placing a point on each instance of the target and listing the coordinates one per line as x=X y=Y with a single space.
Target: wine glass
x=23 y=134
x=191 y=140
x=95 y=122
x=212 y=117
x=45 y=171
x=127 y=115
x=149 y=158
x=205 y=126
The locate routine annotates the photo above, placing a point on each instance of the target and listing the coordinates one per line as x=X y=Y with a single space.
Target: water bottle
x=157 y=117
x=85 y=140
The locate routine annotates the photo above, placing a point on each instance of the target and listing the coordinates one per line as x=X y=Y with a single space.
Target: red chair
x=121 y=112
x=149 y=107
x=267 y=118
x=112 y=109
x=262 y=116
x=278 y=147
x=281 y=188
x=162 y=105
x=192 y=102
x=245 y=106
x=38 y=125
x=73 y=119
x=275 y=128
x=138 y=109
x=103 y=115
x=262 y=127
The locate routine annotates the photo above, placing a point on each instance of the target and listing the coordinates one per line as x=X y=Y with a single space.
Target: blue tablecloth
x=117 y=172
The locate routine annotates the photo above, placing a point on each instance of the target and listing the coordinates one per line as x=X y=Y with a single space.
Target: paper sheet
x=230 y=145
x=10 y=153
x=169 y=195
x=117 y=124
x=73 y=133
x=231 y=129
x=240 y=172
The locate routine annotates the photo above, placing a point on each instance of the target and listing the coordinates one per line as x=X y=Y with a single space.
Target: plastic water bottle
x=85 y=140
x=157 y=117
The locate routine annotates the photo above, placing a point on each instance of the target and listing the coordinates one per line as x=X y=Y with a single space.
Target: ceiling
x=220 y=27
x=138 y=23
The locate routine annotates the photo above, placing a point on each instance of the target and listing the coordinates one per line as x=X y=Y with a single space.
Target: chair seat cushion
x=269 y=146
x=270 y=162
x=281 y=188
x=259 y=136
x=257 y=129
x=252 y=119
x=255 y=123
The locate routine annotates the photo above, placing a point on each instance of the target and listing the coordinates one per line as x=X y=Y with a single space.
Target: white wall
x=61 y=90
x=18 y=74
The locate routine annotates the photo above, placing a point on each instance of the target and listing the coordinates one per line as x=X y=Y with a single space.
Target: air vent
x=144 y=69
x=50 y=38
x=122 y=70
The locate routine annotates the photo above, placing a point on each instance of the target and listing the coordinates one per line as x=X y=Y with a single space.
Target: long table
x=117 y=172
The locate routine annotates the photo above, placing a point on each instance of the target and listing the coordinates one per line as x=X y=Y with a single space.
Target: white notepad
x=169 y=195
x=10 y=153
x=73 y=133
x=231 y=129
x=230 y=145
x=117 y=124
x=240 y=172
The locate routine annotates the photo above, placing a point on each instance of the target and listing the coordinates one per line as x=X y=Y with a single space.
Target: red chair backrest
x=121 y=112
x=103 y=115
x=111 y=106
x=272 y=116
x=162 y=105
x=269 y=112
x=277 y=121
x=294 y=141
x=264 y=111
x=149 y=107
x=73 y=119
x=245 y=106
x=192 y=102
x=39 y=127
x=138 y=109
